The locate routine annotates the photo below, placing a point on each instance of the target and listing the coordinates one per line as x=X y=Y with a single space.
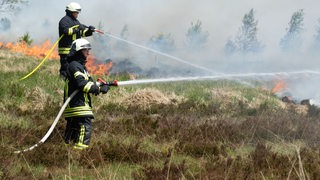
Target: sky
x=220 y=18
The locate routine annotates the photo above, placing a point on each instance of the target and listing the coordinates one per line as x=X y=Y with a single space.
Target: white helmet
x=79 y=44
x=74 y=7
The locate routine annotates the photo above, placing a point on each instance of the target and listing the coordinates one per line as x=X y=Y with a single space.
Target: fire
x=42 y=50
x=97 y=69
x=280 y=85
x=34 y=51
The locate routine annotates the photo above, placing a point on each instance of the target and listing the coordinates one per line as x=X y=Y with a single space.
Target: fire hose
x=44 y=59
x=45 y=137
x=49 y=53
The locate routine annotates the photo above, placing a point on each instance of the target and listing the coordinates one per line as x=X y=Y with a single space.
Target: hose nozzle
x=111 y=83
x=98 y=31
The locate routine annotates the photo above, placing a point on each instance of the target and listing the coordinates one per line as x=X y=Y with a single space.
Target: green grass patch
x=206 y=129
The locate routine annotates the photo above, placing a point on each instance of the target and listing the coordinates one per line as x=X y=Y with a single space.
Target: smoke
x=144 y=19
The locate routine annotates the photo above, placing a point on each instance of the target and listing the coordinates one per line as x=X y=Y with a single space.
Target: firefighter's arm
x=67 y=30
x=87 y=31
x=92 y=87
x=103 y=87
x=73 y=30
x=84 y=85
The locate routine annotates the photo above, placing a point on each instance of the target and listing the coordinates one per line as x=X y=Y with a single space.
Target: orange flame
x=42 y=50
x=34 y=51
x=97 y=69
x=278 y=87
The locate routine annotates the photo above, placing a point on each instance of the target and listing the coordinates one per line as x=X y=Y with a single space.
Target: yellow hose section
x=44 y=59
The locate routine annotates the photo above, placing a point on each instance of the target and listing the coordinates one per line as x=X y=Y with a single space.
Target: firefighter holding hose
x=78 y=113
x=71 y=29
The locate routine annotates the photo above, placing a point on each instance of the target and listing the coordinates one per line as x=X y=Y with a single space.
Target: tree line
x=245 y=40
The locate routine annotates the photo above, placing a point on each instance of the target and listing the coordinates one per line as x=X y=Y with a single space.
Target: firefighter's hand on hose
x=104 y=88
x=92 y=28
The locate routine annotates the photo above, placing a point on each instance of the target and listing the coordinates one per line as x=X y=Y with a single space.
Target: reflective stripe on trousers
x=78 y=131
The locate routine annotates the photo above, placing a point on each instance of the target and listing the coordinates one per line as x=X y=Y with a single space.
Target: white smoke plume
x=220 y=18
x=145 y=18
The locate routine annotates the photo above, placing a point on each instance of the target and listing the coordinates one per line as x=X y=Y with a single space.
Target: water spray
x=215 y=77
x=155 y=51
x=162 y=80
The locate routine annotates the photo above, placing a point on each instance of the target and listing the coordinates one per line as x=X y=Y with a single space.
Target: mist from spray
x=160 y=53
x=252 y=76
x=221 y=19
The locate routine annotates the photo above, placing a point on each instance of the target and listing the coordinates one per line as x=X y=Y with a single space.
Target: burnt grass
x=196 y=135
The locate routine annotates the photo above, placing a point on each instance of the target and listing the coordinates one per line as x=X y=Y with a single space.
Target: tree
x=101 y=44
x=12 y=6
x=316 y=42
x=230 y=47
x=26 y=38
x=162 y=42
x=246 y=40
x=124 y=34
x=196 y=38
x=5 y=24
x=292 y=40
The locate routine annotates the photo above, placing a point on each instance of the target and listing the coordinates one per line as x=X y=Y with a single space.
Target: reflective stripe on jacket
x=79 y=78
x=66 y=26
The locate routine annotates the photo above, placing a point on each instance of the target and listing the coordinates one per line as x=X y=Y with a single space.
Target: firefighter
x=71 y=29
x=78 y=113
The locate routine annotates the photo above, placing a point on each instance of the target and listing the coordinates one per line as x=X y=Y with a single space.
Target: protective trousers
x=63 y=66
x=78 y=131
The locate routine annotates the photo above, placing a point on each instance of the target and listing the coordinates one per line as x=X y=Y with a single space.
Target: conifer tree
x=246 y=39
x=196 y=37
x=162 y=42
x=292 y=40
x=316 y=43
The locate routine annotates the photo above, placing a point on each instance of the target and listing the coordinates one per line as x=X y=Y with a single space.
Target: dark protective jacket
x=68 y=26
x=79 y=78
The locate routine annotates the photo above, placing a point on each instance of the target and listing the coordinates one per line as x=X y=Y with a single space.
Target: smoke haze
x=220 y=18
x=144 y=18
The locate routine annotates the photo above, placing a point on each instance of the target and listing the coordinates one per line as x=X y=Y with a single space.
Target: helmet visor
x=85 y=46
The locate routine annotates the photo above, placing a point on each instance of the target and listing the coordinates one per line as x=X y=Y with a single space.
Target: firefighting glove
x=91 y=29
x=95 y=90
x=104 y=89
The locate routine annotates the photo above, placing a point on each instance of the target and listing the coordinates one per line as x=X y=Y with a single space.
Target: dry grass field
x=177 y=130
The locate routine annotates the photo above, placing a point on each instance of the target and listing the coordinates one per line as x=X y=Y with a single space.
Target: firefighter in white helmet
x=71 y=29
x=79 y=110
